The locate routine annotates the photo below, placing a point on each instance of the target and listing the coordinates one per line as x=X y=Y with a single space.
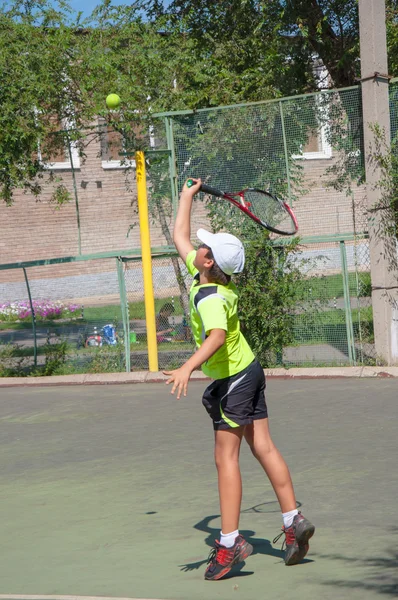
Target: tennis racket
x=264 y=208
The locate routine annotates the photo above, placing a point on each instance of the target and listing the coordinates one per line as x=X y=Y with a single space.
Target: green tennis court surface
x=111 y=491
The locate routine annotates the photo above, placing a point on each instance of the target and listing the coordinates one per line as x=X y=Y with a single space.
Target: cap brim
x=205 y=236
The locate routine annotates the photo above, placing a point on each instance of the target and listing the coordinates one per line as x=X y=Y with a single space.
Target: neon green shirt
x=214 y=306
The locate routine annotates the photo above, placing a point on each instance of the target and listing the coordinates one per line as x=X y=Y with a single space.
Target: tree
x=57 y=70
x=246 y=58
x=270 y=295
x=329 y=29
x=56 y=75
x=34 y=63
x=272 y=44
x=392 y=36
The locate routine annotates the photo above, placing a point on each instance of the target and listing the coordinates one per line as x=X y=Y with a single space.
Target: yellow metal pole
x=146 y=261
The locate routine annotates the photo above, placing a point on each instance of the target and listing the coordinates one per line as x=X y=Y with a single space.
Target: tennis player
x=235 y=399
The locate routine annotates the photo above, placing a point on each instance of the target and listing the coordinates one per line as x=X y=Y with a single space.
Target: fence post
x=79 y=241
x=287 y=164
x=172 y=164
x=347 y=305
x=382 y=245
x=125 y=312
x=280 y=254
x=33 y=319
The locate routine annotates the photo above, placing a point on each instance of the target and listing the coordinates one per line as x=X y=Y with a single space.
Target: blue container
x=109 y=332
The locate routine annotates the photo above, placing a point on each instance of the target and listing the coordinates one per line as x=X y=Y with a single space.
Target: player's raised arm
x=182 y=226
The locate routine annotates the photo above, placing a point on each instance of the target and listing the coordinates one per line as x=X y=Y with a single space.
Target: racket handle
x=206 y=188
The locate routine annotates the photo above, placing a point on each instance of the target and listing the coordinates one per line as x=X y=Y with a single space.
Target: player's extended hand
x=179 y=378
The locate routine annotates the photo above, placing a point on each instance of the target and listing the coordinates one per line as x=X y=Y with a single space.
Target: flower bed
x=44 y=310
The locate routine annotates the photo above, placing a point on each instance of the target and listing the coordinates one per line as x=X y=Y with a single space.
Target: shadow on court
x=382 y=571
x=260 y=546
x=112 y=491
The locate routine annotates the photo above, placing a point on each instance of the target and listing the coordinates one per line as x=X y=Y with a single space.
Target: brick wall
x=36 y=230
x=108 y=206
x=322 y=210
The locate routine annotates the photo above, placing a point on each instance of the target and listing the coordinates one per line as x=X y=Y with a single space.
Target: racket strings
x=269 y=210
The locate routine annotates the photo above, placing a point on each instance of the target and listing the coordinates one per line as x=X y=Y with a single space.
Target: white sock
x=288 y=517
x=228 y=539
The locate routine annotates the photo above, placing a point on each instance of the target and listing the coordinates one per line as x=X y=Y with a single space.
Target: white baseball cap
x=227 y=250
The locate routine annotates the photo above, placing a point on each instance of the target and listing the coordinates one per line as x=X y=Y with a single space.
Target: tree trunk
x=333 y=47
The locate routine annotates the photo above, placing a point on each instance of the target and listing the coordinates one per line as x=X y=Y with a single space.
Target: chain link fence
x=68 y=323
x=335 y=326
x=308 y=149
x=77 y=322
x=171 y=283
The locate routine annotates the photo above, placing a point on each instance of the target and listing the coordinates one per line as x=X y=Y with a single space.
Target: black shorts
x=237 y=400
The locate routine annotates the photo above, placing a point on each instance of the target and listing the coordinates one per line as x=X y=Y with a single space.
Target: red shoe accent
x=289 y=533
x=225 y=556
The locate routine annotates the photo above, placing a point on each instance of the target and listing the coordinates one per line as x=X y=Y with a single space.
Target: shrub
x=12 y=364
x=270 y=294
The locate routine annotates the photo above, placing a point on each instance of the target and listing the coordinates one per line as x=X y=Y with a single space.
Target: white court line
x=55 y=597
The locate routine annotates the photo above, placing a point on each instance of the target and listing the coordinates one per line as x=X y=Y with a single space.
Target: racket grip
x=207 y=189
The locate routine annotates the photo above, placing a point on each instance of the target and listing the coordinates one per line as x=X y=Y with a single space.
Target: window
x=318 y=146
x=113 y=145
x=54 y=155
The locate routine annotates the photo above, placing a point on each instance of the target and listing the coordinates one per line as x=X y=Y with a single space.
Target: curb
x=159 y=377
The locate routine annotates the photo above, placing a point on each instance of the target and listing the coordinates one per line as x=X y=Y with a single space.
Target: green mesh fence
x=77 y=320
x=334 y=327
x=308 y=149
x=171 y=286
x=394 y=109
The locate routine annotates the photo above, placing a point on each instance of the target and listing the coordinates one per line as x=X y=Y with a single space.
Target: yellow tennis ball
x=113 y=101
